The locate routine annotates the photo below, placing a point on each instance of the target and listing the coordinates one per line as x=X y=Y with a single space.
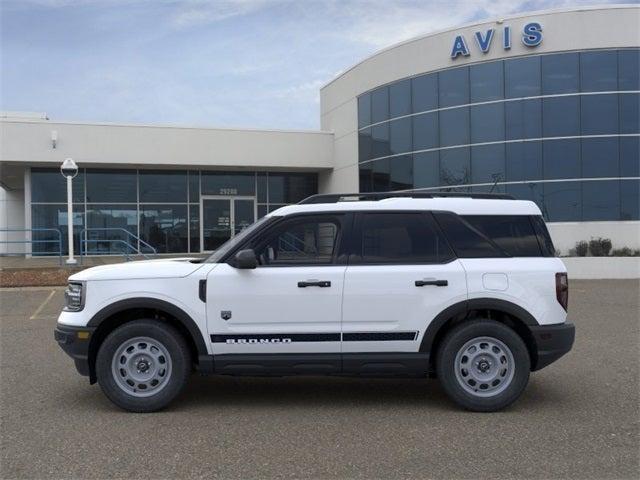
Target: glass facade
x=559 y=129
x=112 y=208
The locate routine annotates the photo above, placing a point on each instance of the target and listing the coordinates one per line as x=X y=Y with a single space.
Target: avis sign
x=531 y=37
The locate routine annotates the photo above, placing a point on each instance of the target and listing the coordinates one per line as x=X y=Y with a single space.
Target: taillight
x=562 y=289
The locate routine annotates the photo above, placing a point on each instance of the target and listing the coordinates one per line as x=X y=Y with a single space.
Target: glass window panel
x=365 y=145
x=426 y=169
x=274 y=206
x=630 y=156
x=560 y=73
x=453 y=87
x=466 y=242
x=487 y=81
x=112 y=186
x=561 y=116
x=261 y=183
x=630 y=199
x=561 y=159
x=512 y=233
x=262 y=211
x=110 y=224
x=291 y=187
x=49 y=186
x=425 y=131
x=599 y=71
x=400 y=98
x=164 y=227
x=487 y=164
x=455 y=166
x=380 y=105
x=364 y=110
x=194 y=228
x=600 y=157
x=523 y=161
x=601 y=200
x=381 y=170
x=400 y=133
x=401 y=172
x=562 y=201
x=380 y=141
x=629 y=113
x=599 y=114
x=523 y=119
x=53 y=216
x=522 y=77
x=365 y=177
x=629 y=69
x=227 y=183
x=487 y=123
x=163 y=186
x=194 y=186
x=401 y=238
x=454 y=127
x=526 y=191
x=424 y=92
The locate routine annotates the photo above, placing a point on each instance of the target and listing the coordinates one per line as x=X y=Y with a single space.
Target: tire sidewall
x=453 y=342
x=176 y=348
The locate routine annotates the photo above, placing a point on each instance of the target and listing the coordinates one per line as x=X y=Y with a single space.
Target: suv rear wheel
x=483 y=365
x=143 y=365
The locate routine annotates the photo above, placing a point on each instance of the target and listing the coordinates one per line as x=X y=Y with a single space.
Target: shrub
x=581 y=248
x=625 y=252
x=600 y=247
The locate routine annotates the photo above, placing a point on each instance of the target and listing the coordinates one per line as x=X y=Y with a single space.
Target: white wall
x=11 y=216
x=622 y=234
x=591 y=268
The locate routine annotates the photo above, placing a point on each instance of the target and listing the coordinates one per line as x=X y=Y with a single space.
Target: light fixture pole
x=69 y=169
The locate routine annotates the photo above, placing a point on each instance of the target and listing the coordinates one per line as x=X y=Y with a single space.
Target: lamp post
x=69 y=169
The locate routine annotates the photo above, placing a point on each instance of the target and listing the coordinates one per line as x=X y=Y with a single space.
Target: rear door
x=401 y=274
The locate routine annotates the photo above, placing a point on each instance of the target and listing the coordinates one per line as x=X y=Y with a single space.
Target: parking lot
x=578 y=418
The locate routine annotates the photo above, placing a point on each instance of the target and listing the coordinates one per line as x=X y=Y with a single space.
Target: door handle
x=437 y=283
x=314 y=283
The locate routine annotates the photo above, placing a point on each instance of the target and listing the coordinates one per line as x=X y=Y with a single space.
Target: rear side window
x=466 y=240
x=400 y=238
x=544 y=239
x=512 y=233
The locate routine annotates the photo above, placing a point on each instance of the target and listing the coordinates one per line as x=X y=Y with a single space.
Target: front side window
x=308 y=241
x=400 y=238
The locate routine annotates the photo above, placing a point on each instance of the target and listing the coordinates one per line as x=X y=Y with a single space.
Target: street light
x=69 y=169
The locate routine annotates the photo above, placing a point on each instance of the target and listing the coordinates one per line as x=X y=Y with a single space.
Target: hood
x=159 y=268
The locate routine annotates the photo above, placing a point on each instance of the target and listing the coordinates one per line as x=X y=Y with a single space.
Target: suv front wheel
x=143 y=365
x=483 y=365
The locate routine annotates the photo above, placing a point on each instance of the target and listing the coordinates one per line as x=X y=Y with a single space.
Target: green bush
x=581 y=248
x=625 y=252
x=600 y=247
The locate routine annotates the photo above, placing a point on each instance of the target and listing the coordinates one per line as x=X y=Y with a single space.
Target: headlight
x=74 y=297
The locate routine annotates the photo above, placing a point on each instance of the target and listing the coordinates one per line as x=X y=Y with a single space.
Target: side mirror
x=246 y=259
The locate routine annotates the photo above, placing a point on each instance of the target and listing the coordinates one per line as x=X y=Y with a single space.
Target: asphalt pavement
x=578 y=418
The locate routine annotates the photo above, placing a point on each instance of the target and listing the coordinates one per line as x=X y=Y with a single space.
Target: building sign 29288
x=531 y=37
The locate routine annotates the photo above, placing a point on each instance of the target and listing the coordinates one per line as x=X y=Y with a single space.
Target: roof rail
x=357 y=197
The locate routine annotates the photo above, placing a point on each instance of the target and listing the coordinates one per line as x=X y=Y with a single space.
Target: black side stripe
x=315 y=337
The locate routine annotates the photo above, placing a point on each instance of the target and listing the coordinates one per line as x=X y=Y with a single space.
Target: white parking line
x=35 y=314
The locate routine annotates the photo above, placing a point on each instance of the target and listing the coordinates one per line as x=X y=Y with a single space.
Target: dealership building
x=543 y=106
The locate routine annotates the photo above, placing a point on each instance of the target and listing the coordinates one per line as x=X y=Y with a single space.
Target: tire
x=143 y=365
x=483 y=365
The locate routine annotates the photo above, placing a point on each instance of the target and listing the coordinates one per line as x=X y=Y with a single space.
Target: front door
x=223 y=217
x=291 y=303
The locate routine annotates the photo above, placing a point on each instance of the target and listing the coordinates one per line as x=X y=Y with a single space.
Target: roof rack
x=357 y=197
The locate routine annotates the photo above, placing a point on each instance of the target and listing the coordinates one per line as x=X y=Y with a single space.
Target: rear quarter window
x=515 y=234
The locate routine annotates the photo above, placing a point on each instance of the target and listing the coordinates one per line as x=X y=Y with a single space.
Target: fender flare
x=462 y=308
x=156 y=304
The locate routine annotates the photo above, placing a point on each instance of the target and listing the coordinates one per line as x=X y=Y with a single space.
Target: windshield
x=230 y=244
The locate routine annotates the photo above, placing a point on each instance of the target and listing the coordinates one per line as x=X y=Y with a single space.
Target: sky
x=219 y=63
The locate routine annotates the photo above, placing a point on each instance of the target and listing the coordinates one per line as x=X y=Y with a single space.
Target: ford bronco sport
x=465 y=288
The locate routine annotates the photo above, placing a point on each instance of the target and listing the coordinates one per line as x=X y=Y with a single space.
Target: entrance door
x=223 y=217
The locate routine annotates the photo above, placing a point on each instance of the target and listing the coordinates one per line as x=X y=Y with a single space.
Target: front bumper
x=552 y=342
x=75 y=342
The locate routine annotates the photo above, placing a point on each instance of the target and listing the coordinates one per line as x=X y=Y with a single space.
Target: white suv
x=465 y=288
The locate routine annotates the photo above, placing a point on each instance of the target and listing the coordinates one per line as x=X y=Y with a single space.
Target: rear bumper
x=552 y=342
x=75 y=343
